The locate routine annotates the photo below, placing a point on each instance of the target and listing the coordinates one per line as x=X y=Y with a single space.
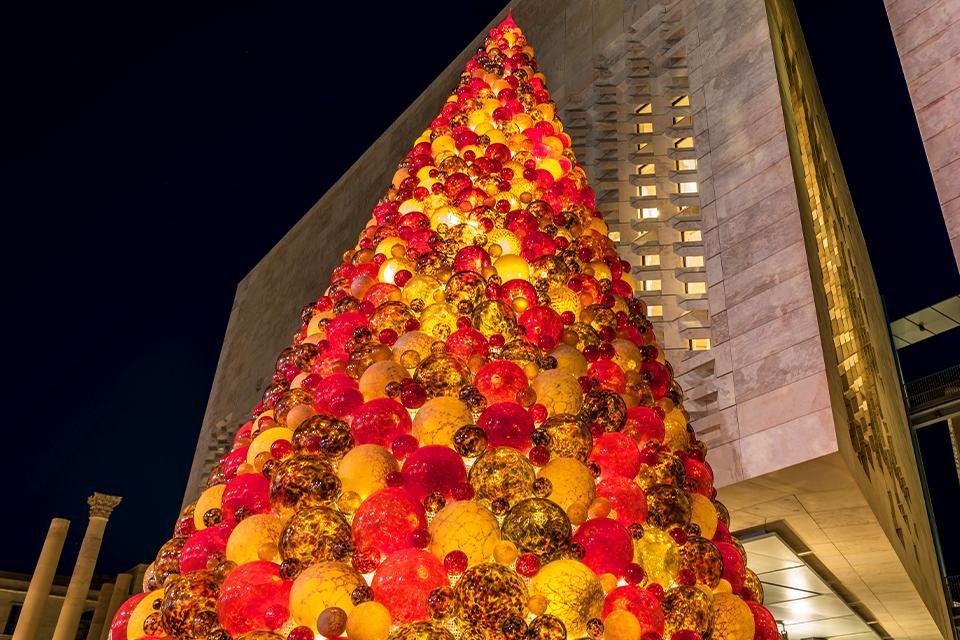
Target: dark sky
x=153 y=154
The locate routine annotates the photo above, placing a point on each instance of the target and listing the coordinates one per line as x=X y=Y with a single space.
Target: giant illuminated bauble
x=573 y=593
x=439 y=320
x=687 y=608
x=380 y=421
x=405 y=579
x=118 y=626
x=507 y=424
x=511 y=267
x=370 y=620
x=570 y=360
x=558 y=391
x=734 y=568
x=569 y=436
x=732 y=618
x=752 y=587
x=255 y=538
x=301 y=482
x=321 y=586
x=420 y=630
x=571 y=480
x=211 y=498
x=365 y=469
x=539 y=526
x=607 y=545
x=668 y=506
x=658 y=554
x=433 y=469
x=253 y=597
x=202 y=546
x=502 y=473
x=263 y=442
x=702 y=558
x=146 y=613
x=488 y=593
x=703 y=514
x=412 y=347
x=500 y=381
x=641 y=603
x=464 y=526
x=439 y=418
x=764 y=625
x=250 y=492
x=627 y=500
x=441 y=375
x=644 y=424
x=189 y=605
x=374 y=381
x=616 y=454
x=314 y=534
x=386 y=520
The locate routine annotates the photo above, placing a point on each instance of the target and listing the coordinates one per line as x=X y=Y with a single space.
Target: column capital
x=102 y=505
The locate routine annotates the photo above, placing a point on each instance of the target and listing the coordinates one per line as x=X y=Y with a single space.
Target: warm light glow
x=684 y=143
x=686 y=164
x=649 y=212
x=687 y=187
x=692 y=235
x=698 y=344
x=648 y=190
x=654 y=310
x=646 y=169
x=650 y=260
x=692 y=261
x=695 y=288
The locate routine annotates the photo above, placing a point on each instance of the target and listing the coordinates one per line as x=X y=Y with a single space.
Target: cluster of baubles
x=474 y=433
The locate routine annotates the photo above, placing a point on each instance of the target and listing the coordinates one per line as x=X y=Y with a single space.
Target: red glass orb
x=699 y=476
x=536 y=244
x=472 y=258
x=455 y=562
x=507 y=424
x=641 y=603
x=609 y=374
x=243 y=432
x=467 y=342
x=387 y=519
x=381 y=292
x=250 y=491
x=337 y=395
x=734 y=569
x=607 y=545
x=764 y=625
x=644 y=424
x=254 y=597
x=513 y=290
x=118 y=627
x=340 y=329
x=540 y=321
x=500 y=381
x=626 y=499
x=617 y=454
x=658 y=377
x=203 y=544
x=434 y=468
x=233 y=460
x=380 y=421
x=404 y=580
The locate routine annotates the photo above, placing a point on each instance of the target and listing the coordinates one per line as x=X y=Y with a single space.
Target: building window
x=644 y=108
x=698 y=344
x=691 y=235
x=681 y=101
x=642 y=147
x=654 y=311
x=686 y=164
x=692 y=261
x=684 y=143
x=614 y=235
x=650 y=260
x=652 y=285
x=687 y=187
x=644 y=127
x=648 y=190
x=11 y=624
x=647 y=169
x=695 y=288
x=649 y=212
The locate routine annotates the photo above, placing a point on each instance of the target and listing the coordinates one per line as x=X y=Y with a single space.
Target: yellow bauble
x=573 y=593
x=389 y=269
x=626 y=354
x=365 y=469
x=422 y=287
x=675 y=428
x=247 y=540
x=600 y=270
x=752 y=585
x=374 y=381
x=438 y=419
x=439 y=320
x=211 y=498
x=508 y=241
x=570 y=360
x=387 y=244
x=620 y=624
x=322 y=585
x=450 y=216
x=572 y=481
x=416 y=341
x=465 y=526
x=732 y=618
x=502 y=473
x=658 y=554
x=703 y=514
x=369 y=621
x=558 y=391
x=140 y=613
x=511 y=267
x=266 y=438
x=687 y=608
x=563 y=298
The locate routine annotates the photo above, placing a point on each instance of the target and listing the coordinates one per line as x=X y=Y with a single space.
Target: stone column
x=121 y=591
x=100 y=612
x=39 y=589
x=101 y=506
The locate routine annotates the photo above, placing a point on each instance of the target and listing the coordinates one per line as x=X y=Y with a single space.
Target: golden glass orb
x=494 y=317
x=386 y=245
x=732 y=618
x=751 y=582
x=374 y=381
x=488 y=593
x=627 y=355
x=510 y=266
x=364 y=469
x=320 y=586
x=448 y=216
x=311 y=535
x=558 y=391
x=250 y=535
x=441 y=375
x=570 y=360
x=439 y=418
x=266 y=438
x=393 y=315
x=675 y=429
x=390 y=267
x=703 y=514
x=573 y=593
x=620 y=624
x=369 y=621
x=569 y=436
x=703 y=560
x=211 y=498
x=420 y=630
x=421 y=287
x=505 y=552
x=554 y=272
x=149 y=605
x=502 y=473
x=572 y=481
x=416 y=341
x=537 y=525
x=687 y=608
x=465 y=526
x=658 y=554
x=439 y=320
x=465 y=286
x=668 y=506
x=563 y=298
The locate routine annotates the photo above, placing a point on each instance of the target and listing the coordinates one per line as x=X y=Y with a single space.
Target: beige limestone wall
x=927 y=34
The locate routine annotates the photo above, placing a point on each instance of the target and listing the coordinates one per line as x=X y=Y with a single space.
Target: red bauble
x=232 y=461
x=699 y=477
x=607 y=545
x=658 y=377
x=203 y=544
x=541 y=322
x=338 y=395
x=507 y=424
x=404 y=580
x=387 y=519
x=340 y=330
x=500 y=381
x=248 y=490
x=641 y=603
x=471 y=258
x=466 y=343
x=380 y=421
x=254 y=597
x=513 y=290
x=118 y=627
x=617 y=455
x=609 y=374
x=434 y=468
x=626 y=499
x=644 y=424
x=764 y=625
x=734 y=569
x=536 y=244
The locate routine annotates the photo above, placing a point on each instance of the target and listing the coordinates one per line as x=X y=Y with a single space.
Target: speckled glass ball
x=487 y=593
x=538 y=526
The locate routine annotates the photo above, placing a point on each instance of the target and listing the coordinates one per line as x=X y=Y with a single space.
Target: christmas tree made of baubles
x=474 y=433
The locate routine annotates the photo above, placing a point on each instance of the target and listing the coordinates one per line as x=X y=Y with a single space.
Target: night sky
x=154 y=154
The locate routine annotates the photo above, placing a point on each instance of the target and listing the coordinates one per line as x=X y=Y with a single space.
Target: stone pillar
x=39 y=589
x=101 y=506
x=121 y=591
x=100 y=612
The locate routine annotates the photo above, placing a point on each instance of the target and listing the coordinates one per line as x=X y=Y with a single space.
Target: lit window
x=644 y=127
x=614 y=235
x=693 y=235
x=698 y=344
x=686 y=164
x=651 y=285
x=683 y=121
x=655 y=311
x=645 y=108
x=692 y=261
x=684 y=143
x=649 y=212
x=681 y=101
x=648 y=190
x=642 y=147
x=647 y=169
x=687 y=187
x=695 y=288
x=650 y=260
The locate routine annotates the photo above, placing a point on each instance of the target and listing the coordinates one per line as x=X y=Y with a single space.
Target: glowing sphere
x=378 y=375
x=434 y=468
x=211 y=498
x=732 y=618
x=369 y=621
x=627 y=501
x=511 y=267
x=616 y=454
x=365 y=469
x=145 y=608
x=416 y=342
x=539 y=526
x=607 y=545
x=250 y=491
x=507 y=424
x=386 y=520
x=439 y=418
x=703 y=514
x=572 y=481
x=558 y=391
x=248 y=539
x=488 y=593
x=659 y=556
x=500 y=381
x=321 y=586
x=668 y=506
x=570 y=360
x=569 y=436
x=441 y=375
x=254 y=597
x=439 y=320
x=118 y=626
x=644 y=424
x=542 y=325
x=405 y=579
x=189 y=605
x=734 y=568
x=380 y=421
x=502 y=473
x=266 y=438
x=314 y=534
x=702 y=559
x=638 y=601
x=202 y=545
x=765 y=627
x=302 y=481
x=464 y=526
x=686 y=608
x=573 y=593
x=420 y=630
